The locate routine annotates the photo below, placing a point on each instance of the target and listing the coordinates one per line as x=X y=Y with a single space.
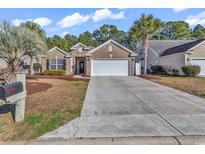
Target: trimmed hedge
x=54 y=72
x=191 y=70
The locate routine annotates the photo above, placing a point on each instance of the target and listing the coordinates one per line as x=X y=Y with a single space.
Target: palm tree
x=16 y=42
x=35 y=28
x=146 y=25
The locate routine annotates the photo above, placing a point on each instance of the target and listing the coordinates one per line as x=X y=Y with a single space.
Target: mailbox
x=9 y=90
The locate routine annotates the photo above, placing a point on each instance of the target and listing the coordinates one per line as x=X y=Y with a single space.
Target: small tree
x=16 y=42
x=37 y=67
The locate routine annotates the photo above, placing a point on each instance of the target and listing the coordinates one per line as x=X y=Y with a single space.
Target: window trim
x=56 y=64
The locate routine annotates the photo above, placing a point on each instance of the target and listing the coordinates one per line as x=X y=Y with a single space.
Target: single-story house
x=110 y=58
x=175 y=53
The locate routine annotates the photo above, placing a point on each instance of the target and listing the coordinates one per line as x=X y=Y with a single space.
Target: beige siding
x=199 y=51
x=175 y=61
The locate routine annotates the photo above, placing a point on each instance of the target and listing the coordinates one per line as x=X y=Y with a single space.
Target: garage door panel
x=109 y=68
x=201 y=63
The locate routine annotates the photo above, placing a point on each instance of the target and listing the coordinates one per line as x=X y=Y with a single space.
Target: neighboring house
x=192 y=53
x=110 y=58
x=175 y=53
x=155 y=49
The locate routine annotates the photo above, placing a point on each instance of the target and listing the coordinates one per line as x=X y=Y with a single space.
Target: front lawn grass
x=192 y=85
x=54 y=104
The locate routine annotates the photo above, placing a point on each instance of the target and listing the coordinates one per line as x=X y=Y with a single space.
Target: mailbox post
x=15 y=93
x=20 y=104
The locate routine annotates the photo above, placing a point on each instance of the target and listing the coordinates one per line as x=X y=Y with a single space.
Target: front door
x=81 y=67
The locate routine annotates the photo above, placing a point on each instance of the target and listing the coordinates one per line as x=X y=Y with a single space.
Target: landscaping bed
x=192 y=85
x=50 y=103
x=65 y=77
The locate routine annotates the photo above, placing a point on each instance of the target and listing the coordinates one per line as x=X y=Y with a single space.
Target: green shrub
x=158 y=69
x=54 y=72
x=37 y=67
x=191 y=70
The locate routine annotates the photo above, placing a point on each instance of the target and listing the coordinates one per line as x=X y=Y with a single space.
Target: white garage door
x=201 y=63
x=109 y=68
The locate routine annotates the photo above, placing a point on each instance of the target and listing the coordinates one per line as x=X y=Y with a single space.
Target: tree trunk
x=31 y=66
x=145 y=44
x=9 y=75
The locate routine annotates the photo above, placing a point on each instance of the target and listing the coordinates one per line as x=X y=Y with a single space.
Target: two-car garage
x=107 y=67
x=110 y=59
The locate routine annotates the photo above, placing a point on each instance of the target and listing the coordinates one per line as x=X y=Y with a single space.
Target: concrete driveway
x=131 y=106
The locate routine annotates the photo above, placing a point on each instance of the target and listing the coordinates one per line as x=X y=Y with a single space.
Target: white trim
x=59 y=50
x=110 y=58
x=73 y=47
x=111 y=41
x=197 y=58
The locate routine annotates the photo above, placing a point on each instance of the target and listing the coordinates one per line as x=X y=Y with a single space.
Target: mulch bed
x=67 y=77
x=34 y=87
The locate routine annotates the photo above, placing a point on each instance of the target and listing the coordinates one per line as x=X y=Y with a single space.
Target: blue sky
x=75 y=21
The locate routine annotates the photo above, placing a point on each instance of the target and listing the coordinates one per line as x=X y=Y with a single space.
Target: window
x=110 y=48
x=57 y=64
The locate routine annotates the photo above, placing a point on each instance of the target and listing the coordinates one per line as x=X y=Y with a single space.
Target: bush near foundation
x=37 y=67
x=54 y=72
x=158 y=69
x=191 y=70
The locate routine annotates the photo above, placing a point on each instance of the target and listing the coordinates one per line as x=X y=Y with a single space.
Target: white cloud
x=176 y=10
x=72 y=20
x=103 y=14
x=17 y=22
x=41 y=21
x=63 y=34
x=198 y=19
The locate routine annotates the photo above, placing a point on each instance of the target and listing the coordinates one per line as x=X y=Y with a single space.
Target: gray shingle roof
x=181 y=48
x=159 y=46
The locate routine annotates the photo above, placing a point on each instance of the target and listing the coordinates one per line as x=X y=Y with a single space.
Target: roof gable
x=56 y=48
x=183 y=48
x=114 y=42
x=79 y=44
